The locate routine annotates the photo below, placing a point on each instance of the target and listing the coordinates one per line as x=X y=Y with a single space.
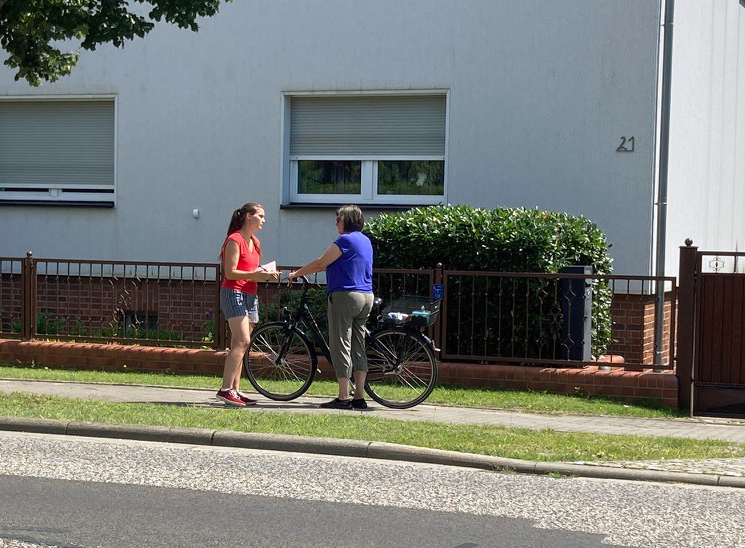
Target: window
x=382 y=149
x=57 y=151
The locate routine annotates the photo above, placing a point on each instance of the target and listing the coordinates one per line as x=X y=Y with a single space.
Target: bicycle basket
x=419 y=311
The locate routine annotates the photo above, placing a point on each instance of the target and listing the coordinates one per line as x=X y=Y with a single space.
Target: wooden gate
x=717 y=334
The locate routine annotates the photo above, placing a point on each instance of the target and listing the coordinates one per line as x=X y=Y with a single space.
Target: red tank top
x=247 y=261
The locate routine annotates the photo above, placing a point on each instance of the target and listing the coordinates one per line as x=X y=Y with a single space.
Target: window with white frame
x=382 y=149
x=57 y=151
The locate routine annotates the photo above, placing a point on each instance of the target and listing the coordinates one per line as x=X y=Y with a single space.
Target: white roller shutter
x=368 y=125
x=57 y=144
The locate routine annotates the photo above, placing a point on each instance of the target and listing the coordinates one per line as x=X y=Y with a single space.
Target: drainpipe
x=667 y=71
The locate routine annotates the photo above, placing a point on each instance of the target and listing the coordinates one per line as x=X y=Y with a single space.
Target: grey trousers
x=347 y=314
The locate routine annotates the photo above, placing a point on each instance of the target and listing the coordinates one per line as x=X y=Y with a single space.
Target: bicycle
x=282 y=361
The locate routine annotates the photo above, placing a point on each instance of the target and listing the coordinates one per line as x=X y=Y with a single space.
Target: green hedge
x=500 y=240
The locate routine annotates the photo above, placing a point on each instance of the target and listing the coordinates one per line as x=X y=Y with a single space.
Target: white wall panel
x=707 y=171
x=540 y=95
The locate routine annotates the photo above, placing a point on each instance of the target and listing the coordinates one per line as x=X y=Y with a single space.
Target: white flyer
x=269 y=267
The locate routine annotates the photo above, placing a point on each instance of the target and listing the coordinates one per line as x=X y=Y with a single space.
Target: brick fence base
x=614 y=383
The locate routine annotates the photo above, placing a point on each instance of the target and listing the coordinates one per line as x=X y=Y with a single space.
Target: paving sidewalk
x=693 y=428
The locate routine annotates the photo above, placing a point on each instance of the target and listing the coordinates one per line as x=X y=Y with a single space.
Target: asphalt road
x=86 y=493
x=83 y=514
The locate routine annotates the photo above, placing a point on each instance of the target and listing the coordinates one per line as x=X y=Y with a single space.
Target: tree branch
x=30 y=29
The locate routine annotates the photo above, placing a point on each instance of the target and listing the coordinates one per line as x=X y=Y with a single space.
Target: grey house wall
x=707 y=139
x=539 y=93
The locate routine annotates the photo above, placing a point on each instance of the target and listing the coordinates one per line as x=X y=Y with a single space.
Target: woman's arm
x=230 y=265
x=316 y=265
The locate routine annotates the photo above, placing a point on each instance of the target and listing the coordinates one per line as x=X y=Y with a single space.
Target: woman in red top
x=240 y=257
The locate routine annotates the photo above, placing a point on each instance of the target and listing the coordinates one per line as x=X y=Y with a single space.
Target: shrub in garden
x=46 y=324
x=500 y=240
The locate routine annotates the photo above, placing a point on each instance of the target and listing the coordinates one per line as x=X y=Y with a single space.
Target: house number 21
x=627 y=145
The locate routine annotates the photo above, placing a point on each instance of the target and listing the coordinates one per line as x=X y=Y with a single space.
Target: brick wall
x=632 y=335
x=111 y=357
x=618 y=384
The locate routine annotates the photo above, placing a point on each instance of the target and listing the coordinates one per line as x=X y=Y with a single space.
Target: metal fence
x=555 y=319
x=103 y=301
x=522 y=318
x=14 y=298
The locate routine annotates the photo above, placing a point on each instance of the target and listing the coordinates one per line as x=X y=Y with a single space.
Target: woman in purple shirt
x=348 y=264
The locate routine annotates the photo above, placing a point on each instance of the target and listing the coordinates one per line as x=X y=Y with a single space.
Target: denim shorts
x=235 y=303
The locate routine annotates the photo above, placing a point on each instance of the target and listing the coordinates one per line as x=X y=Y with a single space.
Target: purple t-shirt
x=353 y=270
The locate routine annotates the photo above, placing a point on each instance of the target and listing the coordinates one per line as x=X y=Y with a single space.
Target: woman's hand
x=267 y=275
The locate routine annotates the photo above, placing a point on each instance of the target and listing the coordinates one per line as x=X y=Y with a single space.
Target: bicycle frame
x=319 y=342
x=303 y=313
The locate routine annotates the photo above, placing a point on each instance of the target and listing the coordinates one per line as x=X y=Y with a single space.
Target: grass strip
x=535 y=445
x=514 y=400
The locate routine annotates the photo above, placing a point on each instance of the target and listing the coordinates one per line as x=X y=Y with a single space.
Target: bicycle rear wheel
x=402 y=369
x=280 y=362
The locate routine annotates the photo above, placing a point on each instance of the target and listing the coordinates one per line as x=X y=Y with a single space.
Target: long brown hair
x=238 y=219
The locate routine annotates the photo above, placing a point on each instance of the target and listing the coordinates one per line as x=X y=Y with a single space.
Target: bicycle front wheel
x=280 y=362
x=402 y=369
